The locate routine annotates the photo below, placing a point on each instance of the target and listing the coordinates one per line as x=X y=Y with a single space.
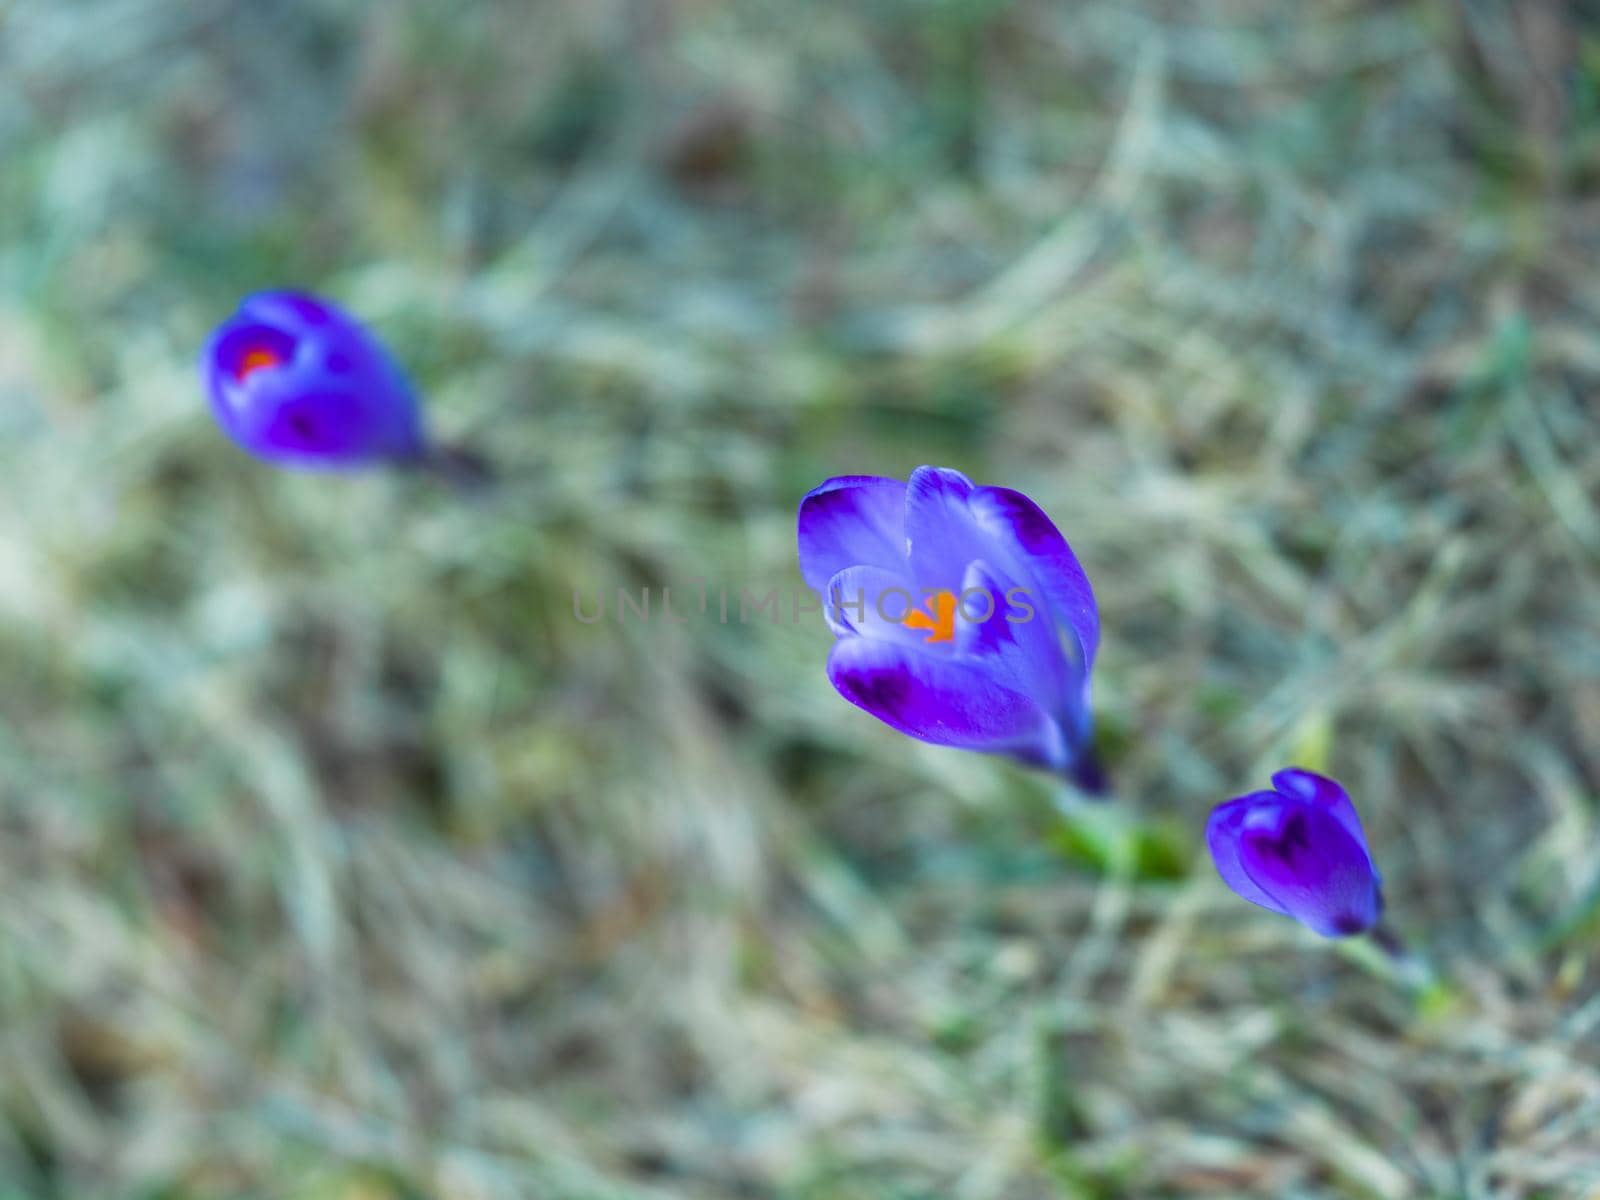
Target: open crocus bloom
x=298 y=381
x=1299 y=850
x=961 y=615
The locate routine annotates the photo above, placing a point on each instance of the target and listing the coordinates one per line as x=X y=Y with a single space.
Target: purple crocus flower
x=1299 y=850
x=961 y=615
x=296 y=380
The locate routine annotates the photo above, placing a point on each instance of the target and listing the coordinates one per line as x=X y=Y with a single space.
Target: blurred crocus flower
x=296 y=380
x=1299 y=850
x=961 y=615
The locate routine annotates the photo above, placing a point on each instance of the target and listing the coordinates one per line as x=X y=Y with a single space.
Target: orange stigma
x=943 y=621
x=256 y=358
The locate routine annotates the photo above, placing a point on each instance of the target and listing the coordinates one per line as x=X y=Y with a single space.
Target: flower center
x=257 y=358
x=942 y=621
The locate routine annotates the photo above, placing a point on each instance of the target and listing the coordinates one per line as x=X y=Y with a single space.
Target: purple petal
x=849 y=521
x=939 y=700
x=1327 y=793
x=1032 y=540
x=292 y=309
x=981 y=628
x=317 y=425
x=1300 y=855
x=1224 y=831
x=950 y=523
x=942 y=537
x=1023 y=654
x=872 y=602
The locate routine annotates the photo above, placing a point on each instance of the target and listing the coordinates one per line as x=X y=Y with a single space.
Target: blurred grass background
x=338 y=860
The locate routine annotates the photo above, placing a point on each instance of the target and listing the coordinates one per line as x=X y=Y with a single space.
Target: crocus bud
x=296 y=380
x=1299 y=850
x=962 y=615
